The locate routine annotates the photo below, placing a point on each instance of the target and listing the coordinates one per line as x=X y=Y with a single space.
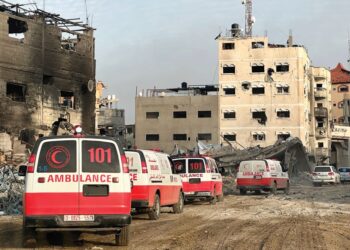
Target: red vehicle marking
x=266 y=182
x=204 y=186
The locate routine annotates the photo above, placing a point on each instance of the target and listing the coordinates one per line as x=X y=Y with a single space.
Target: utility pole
x=249 y=19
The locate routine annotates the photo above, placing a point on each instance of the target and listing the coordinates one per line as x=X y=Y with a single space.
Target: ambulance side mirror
x=22 y=171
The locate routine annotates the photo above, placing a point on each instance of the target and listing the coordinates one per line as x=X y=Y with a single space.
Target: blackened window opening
x=260 y=116
x=230 y=137
x=179 y=137
x=152 y=137
x=258 y=90
x=229 y=69
x=227 y=46
x=204 y=137
x=16 y=92
x=282 y=68
x=230 y=91
x=283 y=137
x=230 y=115
x=204 y=114
x=179 y=114
x=258 y=69
x=152 y=115
x=283 y=114
x=259 y=137
x=67 y=99
x=258 y=45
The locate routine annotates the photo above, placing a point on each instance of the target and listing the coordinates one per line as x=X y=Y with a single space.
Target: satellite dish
x=91 y=85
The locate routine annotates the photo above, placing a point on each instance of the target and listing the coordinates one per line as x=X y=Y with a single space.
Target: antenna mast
x=349 y=48
x=249 y=19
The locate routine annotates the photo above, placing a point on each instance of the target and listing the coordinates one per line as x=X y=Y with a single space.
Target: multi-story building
x=167 y=119
x=340 y=88
x=264 y=91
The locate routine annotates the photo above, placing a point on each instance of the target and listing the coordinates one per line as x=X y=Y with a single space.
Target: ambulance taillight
x=125 y=164
x=144 y=167
x=31 y=162
x=267 y=168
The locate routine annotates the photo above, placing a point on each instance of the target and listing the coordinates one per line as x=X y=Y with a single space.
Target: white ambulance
x=200 y=178
x=76 y=183
x=262 y=175
x=154 y=183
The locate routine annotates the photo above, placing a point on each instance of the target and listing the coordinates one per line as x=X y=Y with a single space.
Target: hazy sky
x=147 y=43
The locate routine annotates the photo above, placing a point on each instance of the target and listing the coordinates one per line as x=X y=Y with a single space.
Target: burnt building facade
x=47 y=70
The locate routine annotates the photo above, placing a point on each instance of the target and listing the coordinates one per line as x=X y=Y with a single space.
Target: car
x=77 y=184
x=344 y=174
x=262 y=175
x=200 y=177
x=325 y=174
x=154 y=183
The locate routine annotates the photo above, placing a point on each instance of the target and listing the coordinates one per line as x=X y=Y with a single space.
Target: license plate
x=257 y=177
x=79 y=218
x=203 y=193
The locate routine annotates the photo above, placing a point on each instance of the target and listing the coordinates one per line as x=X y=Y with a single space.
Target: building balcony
x=322 y=152
x=320 y=93
x=321 y=112
x=321 y=133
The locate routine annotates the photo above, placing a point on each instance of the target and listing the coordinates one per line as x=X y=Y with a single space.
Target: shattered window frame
x=258 y=45
x=17 y=28
x=283 y=90
x=16 y=92
x=259 y=137
x=67 y=99
x=282 y=67
x=283 y=137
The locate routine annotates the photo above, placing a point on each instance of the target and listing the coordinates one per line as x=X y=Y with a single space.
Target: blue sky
x=147 y=43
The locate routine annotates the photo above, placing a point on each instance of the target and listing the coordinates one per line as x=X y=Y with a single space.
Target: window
x=283 y=113
x=258 y=68
x=258 y=90
x=343 y=88
x=204 y=114
x=341 y=104
x=334 y=104
x=282 y=67
x=152 y=137
x=259 y=136
x=180 y=166
x=204 y=137
x=179 y=137
x=17 y=28
x=320 y=124
x=66 y=99
x=319 y=105
x=226 y=46
x=258 y=45
x=196 y=166
x=319 y=86
x=282 y=89
x=230 y=91
x=179 y=114
x=341 y=119
x=320 y=144
x=152 y=115
x=229 y=69
x=229 y=114
x=283 y=136
x=16 y=92
x=230 y=137
x=260 y=115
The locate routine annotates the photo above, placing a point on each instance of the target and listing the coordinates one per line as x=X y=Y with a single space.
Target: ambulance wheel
x=286 y=190
x=28 y=237
x=122 y=238
x=154 y=211
x=213 y=200
x=242 y=191
x=274 y=188
x=179 y=206
x=257 y=192
x=220 y=197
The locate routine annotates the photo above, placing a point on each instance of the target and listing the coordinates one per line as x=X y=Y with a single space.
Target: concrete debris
x=11 y=190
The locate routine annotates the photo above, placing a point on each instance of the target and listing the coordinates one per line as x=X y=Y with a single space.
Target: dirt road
x=308 y=218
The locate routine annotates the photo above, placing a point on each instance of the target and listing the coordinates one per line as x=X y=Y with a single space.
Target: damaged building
x=47 y=71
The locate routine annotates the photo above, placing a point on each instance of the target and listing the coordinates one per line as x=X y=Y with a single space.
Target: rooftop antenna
x=86 y=13
x=249 y=19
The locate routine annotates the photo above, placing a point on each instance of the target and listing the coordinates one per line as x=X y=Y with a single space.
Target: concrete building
x=340 y=88
x=47 y=70
x=167 y=119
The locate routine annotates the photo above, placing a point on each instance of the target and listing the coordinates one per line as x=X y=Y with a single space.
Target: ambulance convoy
x=89 y=184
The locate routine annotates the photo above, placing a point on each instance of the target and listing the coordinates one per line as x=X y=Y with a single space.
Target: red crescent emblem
x=58 y=157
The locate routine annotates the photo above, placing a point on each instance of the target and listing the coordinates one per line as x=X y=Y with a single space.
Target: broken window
x=69 y=41
x=260 y=115
x=283 y=113
x=229 y=90
x=320 y=144
x=16 y=92
x=204 y=137
x=152 y=137
x=319 y=86
x=259 y=136
x=258 y=68
x=282 y=67
x=343 y=88
x=245 y=85
x=17 y=28
x=179 y=137
x=320 y=124
x=179 y=114
x=230 y=137
x=319 y=105
x=258 y=90
x=258 y=45
x=283 y=136
x=282 y=89
x=226 y=46
x=204 y=114
x=152 y=115
x=229 y=69
x=66 y=99
x=229 y=114
x=47 y=79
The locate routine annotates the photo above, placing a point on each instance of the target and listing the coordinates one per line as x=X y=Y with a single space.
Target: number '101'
x=99 y=155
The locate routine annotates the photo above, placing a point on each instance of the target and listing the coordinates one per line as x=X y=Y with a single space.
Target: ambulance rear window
x=196 y=166
x=134 y=161
x=99 y=157
x=57 y=157
x=180 y=166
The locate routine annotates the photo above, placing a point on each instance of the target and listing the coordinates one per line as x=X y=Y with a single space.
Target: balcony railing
x=320 y=93
x=321 y=112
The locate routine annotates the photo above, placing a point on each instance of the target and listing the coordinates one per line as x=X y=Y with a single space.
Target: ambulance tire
x=122 y=239
x=154 y=212
x=274 y=188
x=220 y=197
x=178 y=208
x=242 y=191
x=28 y=237
x=213 y=200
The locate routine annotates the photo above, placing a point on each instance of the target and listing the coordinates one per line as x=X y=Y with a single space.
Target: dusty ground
x=308 y=218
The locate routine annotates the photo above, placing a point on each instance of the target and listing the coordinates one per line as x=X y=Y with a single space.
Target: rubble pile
x=11 y=190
